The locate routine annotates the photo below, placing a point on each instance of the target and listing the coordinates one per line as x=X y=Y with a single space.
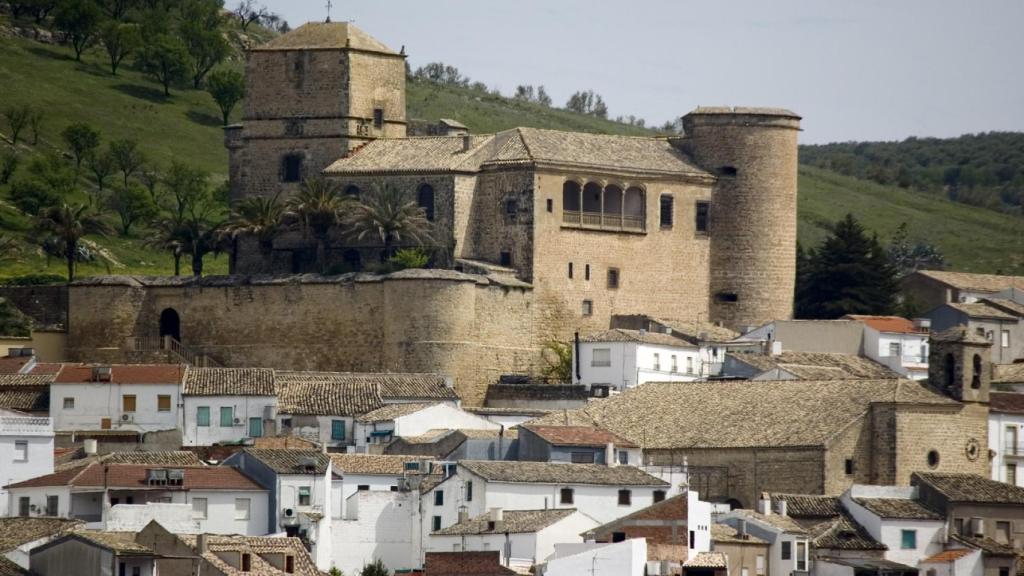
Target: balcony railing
x=26 y=424
x=599 y=221
x=1013 y=449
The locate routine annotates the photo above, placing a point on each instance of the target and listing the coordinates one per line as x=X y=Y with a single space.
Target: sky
x=854 y=69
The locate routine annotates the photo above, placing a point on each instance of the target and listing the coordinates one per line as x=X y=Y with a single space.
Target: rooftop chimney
x=466 y=141
x=496 y=519
x=782 y=508
x=201 y=544
x=765 y=505
x=609 y=455
x=741 y=528
x=463 y=514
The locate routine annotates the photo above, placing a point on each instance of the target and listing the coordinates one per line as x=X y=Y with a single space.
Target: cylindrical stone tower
x=753 y=151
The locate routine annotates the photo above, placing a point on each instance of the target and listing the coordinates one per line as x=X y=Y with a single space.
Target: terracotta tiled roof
x=392 y=411
x=17 y=531
x=354 y=394
x=123 y=543
x=228 y=382
x=589 y=436
x=325 y=36
x=25 y=399
x=891 y=324
x=707 y=560
x=290 y=461
x=697 y=332
x=674 y=508
x=970 y=488
x=47 y=368
x=26 y=380
x=483 y=563
x=981 y=310
x=390 y=465
x=725 y=534
x=1006 y=402
x=133 y=476
x=974 y=282
x=986 y=545
x=901 y=508
x=288 y=441
x=14 y=365
x=418 y=154
x=1008 y=373
x=960 y=334
x=947 y=556
x=842 y=533
x=809 y=505
x=817 y=365
x=513 y=522
x=744 y=413
x=123 y=373
x=624 y=335
x=257 y=546
x=558 y=473
x=164 y=459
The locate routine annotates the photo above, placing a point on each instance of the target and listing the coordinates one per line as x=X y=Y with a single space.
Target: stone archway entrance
x=170 y=324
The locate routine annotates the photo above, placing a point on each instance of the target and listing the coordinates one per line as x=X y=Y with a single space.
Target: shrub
x=410 y=258
x=33 y=280
x=31 y=196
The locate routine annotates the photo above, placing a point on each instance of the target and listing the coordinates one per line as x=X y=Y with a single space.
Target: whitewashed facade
x=1006 y=441
x=374 y=429
x=908 y=540
x=626 y=558
x=624 y=365
x=209 y=420
x=26 y=451
x=142 y=398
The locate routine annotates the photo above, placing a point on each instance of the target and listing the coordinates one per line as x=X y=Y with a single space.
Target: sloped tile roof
x=744 y=413
x=982 y=310
x=901 y=508
x=16 y=531
x=970 y=488
x=134 y=476
x=986 y=545
x=843 y=533
x=674 y=508
x=381 y=464
x=784 y=523
x=589 y=436
x=123 y=543
x=559 y=473
x=1006 y=402
x=536 y=392
x=354 y=393
x=974 y=282
x=290 y=461
x=960 y=334
x=482 y=563
x=809 y=505
x=25 y=380
x=816 y=365
x=15 y=365
x=123 y=373
x=9 y=568
x=228 y=382
x=325 y=36
x=257 y=545
x=1008 y=373
x=513 y=522
x=1015 y=308
x=644 y=337
x=164 y=459
x=25 y=399
x=699 y=331
x=707 y=560
x=421 y=154
x=392 y=411
x=725 y=534
x=947 y=556
x=891 y=324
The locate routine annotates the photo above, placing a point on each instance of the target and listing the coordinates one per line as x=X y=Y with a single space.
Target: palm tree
x=260 y=217
x=167 y=236
x=200 y=237
x=66 y=225
x=389 y=215
x=318 y=207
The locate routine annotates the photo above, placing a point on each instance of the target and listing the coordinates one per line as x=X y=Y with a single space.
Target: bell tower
x=959 y=364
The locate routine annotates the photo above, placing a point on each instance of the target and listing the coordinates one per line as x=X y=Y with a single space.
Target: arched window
x=592 y=197
x=352 y=190
x=976 y=374
x=571 y=196
x=425 y=199
x=612 y=200
x=950 y=370
x=170 y=324
x=633 y=208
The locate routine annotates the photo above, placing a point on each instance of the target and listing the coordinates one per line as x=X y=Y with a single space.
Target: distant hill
x=186 y=127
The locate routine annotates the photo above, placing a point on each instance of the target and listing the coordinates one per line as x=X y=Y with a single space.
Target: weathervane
x=329 y=4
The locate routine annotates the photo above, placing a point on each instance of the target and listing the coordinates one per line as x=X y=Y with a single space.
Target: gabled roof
x=16 y=531
x=588 y=436
x=258 y=546
x=898 y=508
x=290 y=461
x=513 y=522
x=889 y=324
x=420 y=154
x=638 y=336
x=355 y=394
x=960 y=335
x=560 y=473
x=372 y=464
x=982 y=310
x=123 y=374
x=325 y=36
x=777 y=521
x=25 y=399
x=25 y=380
x=974 y=282
x=393 y=411
x=971 y=488
x=816 y=365
x=1008 y=373
x=133 y=476
x=725 y=534
x=743 y=413
x=668 y=510
x=121 y=543
x=986 y=545
x=843 y=533
x=228 y=382
x=809 y=505
x=1010 y=306
x=158 y=459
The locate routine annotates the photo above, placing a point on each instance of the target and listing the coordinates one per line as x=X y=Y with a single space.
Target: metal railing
x=172 y=345
x=601 y=221
x=1013 y=449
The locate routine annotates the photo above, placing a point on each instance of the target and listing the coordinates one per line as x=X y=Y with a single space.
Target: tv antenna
x=329 y=5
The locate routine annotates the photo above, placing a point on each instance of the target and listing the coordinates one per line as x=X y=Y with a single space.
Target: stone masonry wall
x=492 y=229
x=415 y=321
x=920 y=429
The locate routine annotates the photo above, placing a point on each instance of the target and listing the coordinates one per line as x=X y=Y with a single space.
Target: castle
x=541 y=233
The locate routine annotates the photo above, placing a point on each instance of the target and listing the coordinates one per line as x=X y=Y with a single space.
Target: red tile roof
x=46 y=368
x=886 y=323
x=947 y=556
x=1006 y=402
x=14 y=365
x=133 y=476
x=124 y=373
x=483 y=563
x=578 y=436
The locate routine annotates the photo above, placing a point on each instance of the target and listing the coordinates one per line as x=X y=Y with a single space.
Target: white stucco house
x=789 y=547
x=227 y=405
x=26 y=451
x=626 y=558
x=300 y=491
x=131 y=397
x=896 y=342
x=378 y=525
x=1006 y=436
x=386 y=423
x=222 y=499
x=370 y=473
x=893 y=516
x=620 y=359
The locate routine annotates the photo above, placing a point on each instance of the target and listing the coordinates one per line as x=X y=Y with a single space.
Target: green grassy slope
x=186 y=127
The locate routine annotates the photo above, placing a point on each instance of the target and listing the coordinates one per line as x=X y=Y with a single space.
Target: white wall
x=97 y=400
x=633 y=364
x=522 y=547
x=244 y=408
x=998 y=439
x=377 y=525
x=913 y=358
x=698 y=521
x=440 y=416
x=175 y=518
x=350 y=485
x=567 y=530
x=37 y=433
x=626 y=558
x=221 y=518
x=930 y=533
x=37 y=497
x=321 y=492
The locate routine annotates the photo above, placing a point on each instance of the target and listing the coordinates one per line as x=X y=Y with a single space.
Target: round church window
x=933 y=458
x=972 y=449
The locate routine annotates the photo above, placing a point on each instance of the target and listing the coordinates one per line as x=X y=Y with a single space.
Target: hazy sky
x=854 y=69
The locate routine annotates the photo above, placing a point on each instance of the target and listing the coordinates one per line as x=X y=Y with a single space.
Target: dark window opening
x=353 y=259
x=703 y=216
x=582 y=457
x=394 y=488
x=511 y=207
x=666 y=211
x=571 y=196
x=469 y=491
x=849 y=466
x=618 y=536
x=425 y=200
x=292 y=168
x=625 y=497
x=551 y=205
x=592 y=198
x=588 y=307
x=289 y=564
x=352 y=190
x=659 y=495
x=727 y=297
x=586 y=272
x=435 y=523
x=950 y=365
x=570 y=270
x=566 y=496
x=246 y=562
x=933 y=458
x=122 y=570
x=693 y=539
x=506 y=258
x=170 y=324
x=362 y=487
x=439 y=498
x=727 y=171
x=787 y=550
x=976 y=375
x=613 y=278
x=378 y=118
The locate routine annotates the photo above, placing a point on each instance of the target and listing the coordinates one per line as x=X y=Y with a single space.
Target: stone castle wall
x=466 y=326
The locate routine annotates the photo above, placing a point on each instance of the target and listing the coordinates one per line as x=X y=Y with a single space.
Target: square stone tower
x=959 y=365
x=311 y=95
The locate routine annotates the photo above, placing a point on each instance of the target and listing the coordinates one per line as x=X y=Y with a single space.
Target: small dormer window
x=246 y=562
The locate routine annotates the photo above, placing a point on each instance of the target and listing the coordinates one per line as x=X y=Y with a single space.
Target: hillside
x=186 y=127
